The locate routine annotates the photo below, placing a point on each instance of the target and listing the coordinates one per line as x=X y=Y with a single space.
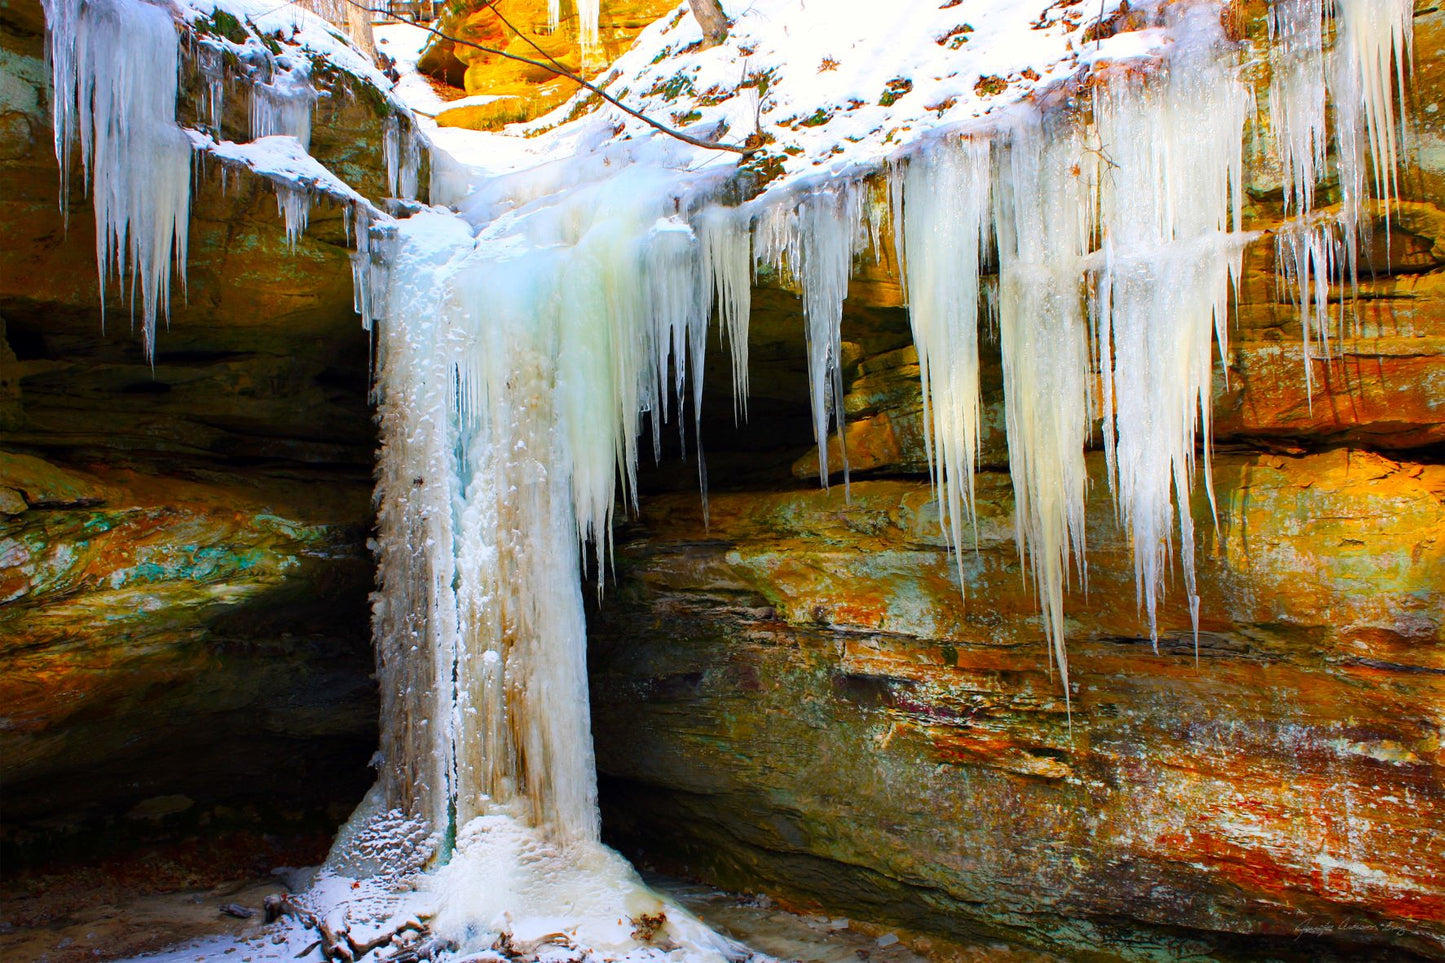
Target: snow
x=404 y=44
x=818 y=81
x=280 y=158
x=296 y=28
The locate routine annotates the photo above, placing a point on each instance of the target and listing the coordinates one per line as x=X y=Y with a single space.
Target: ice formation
x=1042 y=218
x=282 y=105
x=402 y=154
x=528 y=338
x=120 y=98
x=815 y=238
x=941 y=208
x=588 y=12
x=1170 y=204
x=294 y=206
x=1360 y=76
x=726 y=237
x=515 y=364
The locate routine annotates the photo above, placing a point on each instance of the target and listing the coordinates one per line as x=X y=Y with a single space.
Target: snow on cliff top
x=295 y=26
x=832 y=86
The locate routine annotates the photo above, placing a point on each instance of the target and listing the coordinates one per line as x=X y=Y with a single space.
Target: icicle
x=588 y=13
x=213 y=70
x=1043 y=220
x=816 y=240
x=587 y=22
x=1307 y=261
x=283 y=106
x=122 y=98
x=294 y=205
x=726 y=237
x=942 y=195
x=1170 y=197
x=368 y=271
x=403 y=158
x=1297 y=95
x=1368 y=68
x=1373 y=42
x=678 y=302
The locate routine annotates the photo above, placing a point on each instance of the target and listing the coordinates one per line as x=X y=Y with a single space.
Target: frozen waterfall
x=531 y=333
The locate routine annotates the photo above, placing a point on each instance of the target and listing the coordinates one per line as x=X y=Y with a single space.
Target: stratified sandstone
x=795 y=696
x=183 y=570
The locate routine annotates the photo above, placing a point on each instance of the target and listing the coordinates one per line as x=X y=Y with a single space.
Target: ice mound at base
x=507 y=891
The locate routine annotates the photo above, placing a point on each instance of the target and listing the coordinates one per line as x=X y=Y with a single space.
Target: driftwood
x=525 y=951
x=336 y=942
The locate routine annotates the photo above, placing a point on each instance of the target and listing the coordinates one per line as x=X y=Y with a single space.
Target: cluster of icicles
x=119 y=101
x=523 y=344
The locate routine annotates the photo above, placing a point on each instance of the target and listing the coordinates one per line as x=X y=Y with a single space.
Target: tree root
x=339 y=946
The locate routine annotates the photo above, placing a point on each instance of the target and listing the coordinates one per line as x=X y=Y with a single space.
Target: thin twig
x=562 y=71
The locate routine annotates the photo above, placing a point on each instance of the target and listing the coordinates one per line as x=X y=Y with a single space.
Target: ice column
x=514 y=382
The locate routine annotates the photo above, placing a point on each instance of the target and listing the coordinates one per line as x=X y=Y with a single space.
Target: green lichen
x=673 y=87
x=894 y=91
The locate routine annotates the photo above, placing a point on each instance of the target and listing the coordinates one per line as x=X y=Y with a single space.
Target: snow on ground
x=830 y=94
x=404 y=44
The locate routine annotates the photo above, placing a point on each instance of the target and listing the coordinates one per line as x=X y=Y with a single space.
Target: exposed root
x=338 y=945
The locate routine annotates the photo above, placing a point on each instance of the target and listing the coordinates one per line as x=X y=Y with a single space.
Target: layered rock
x=183 y=570
x=509 y=78
x=795 y=696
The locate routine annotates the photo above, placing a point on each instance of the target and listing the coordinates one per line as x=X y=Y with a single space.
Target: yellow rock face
x=526 y=90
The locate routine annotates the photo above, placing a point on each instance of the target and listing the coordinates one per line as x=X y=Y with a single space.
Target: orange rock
x=797 y=696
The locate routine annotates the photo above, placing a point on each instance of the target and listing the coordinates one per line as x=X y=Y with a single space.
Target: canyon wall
x=183 y=569
x=804 y=693
x=798 y=695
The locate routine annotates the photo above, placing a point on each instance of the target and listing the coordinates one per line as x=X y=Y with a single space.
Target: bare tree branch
x=562 y=71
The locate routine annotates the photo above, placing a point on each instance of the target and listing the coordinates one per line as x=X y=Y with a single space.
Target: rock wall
x=794 y=696
x=183 y=570
x=520 y=90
